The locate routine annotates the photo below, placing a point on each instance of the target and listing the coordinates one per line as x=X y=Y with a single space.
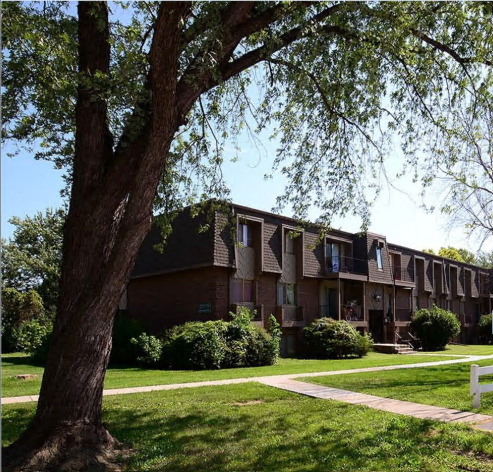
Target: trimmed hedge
x=326 y=338
x=435 y=327
x=220 y=344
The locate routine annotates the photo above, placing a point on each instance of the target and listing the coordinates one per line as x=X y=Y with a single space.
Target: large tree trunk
x=110 y=214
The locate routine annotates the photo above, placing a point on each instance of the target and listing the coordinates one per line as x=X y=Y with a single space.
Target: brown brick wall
x=166 y=300
x=308 y=290
x=267 y=293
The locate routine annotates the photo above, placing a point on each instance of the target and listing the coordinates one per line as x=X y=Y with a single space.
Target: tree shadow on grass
x=289 y=435
x=208 y=430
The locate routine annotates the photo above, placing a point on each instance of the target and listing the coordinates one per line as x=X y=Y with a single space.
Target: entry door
x=330 y=303
x=376 y=325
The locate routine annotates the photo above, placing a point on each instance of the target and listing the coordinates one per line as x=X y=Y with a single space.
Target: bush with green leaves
x=149 y=350
x=484 y=329
x=32 y=334
x=434 y=327
x=326 y=338
x=220 y=344
x=18 y=308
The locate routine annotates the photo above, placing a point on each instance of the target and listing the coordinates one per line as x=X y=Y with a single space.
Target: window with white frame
x=245 y=235
x=379 y=258
x=286 y=294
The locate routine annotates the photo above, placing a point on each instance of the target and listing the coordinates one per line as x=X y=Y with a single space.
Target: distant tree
x=429 y=251
x=467 y=256
x=485 y=259
x=31 y=259
x=450 y=253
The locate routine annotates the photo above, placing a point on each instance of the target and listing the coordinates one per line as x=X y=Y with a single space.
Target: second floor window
x=245 y=235
x=286 y=294
x=241 y=291
x=333 y=252
x=379 y=258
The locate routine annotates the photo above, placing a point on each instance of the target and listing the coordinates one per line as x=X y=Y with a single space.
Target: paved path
x=152 y=388
x=482 y=422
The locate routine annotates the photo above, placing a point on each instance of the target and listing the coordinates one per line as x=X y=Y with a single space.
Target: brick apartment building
x=298 y=275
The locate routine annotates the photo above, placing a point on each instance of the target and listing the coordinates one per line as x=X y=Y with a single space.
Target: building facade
x=268 y=263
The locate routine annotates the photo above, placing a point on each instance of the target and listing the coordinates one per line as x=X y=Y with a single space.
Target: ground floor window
x=286 y=294
x=241 y=291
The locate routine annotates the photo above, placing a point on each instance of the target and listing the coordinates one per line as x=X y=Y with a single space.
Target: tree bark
x=110 y=214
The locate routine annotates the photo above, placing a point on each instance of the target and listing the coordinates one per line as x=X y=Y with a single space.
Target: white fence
x=476 y=389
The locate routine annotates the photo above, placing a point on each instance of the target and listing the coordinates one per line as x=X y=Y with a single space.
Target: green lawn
x=251 y=427
x=446 y=386
x=466 y=350
x=119 y=377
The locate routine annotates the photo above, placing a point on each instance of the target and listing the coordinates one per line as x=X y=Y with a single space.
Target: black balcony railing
x=336 y=264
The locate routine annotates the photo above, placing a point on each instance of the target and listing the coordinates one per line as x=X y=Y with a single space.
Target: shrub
x=149 y=350
x=220 y=344
x=484 y=329
x=326 y=338
x=32 y=334
x=18 y=308
x=196 y=345
x=124 y=329
x=434 y=327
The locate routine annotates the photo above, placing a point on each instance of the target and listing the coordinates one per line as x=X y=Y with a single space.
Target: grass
x=446 y=386
x=252 y=427
x=466 y=350
x=119 y=377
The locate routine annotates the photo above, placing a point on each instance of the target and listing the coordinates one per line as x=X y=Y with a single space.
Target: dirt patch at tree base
x=70 y=448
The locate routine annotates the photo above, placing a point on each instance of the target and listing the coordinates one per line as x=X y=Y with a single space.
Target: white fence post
x=474 y=389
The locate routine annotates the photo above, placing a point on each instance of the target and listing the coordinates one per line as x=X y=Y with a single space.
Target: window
x=286 y=294
x=333 y=253
x=288 y=243
x=245 y=235
x=241 y=291
x=379 y=258
x=416 y=303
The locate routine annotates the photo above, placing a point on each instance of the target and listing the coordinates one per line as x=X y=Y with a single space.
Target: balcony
x=290 y=316
x=346 y=267
x=403 y=275
x=403 y=314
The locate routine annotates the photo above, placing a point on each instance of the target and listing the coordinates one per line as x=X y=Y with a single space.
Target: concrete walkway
x=417 y=410
x=211 y=383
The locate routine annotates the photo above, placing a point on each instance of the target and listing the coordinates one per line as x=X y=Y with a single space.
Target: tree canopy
x=334 y=82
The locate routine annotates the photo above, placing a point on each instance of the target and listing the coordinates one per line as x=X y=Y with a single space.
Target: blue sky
x=29 y=186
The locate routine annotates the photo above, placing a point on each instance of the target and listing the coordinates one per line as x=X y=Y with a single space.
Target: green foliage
x=31 y=259
x=326 y=338
x=123 y=351
x=220 y=344
x=32 y=334
x=485 y=329
x=434 y=327
x=451 y=253
x=18 y=308
x=196 y=345
x=149 y=350
x=344 y=81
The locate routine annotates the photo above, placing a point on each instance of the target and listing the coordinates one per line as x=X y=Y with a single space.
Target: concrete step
x=392 y=348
